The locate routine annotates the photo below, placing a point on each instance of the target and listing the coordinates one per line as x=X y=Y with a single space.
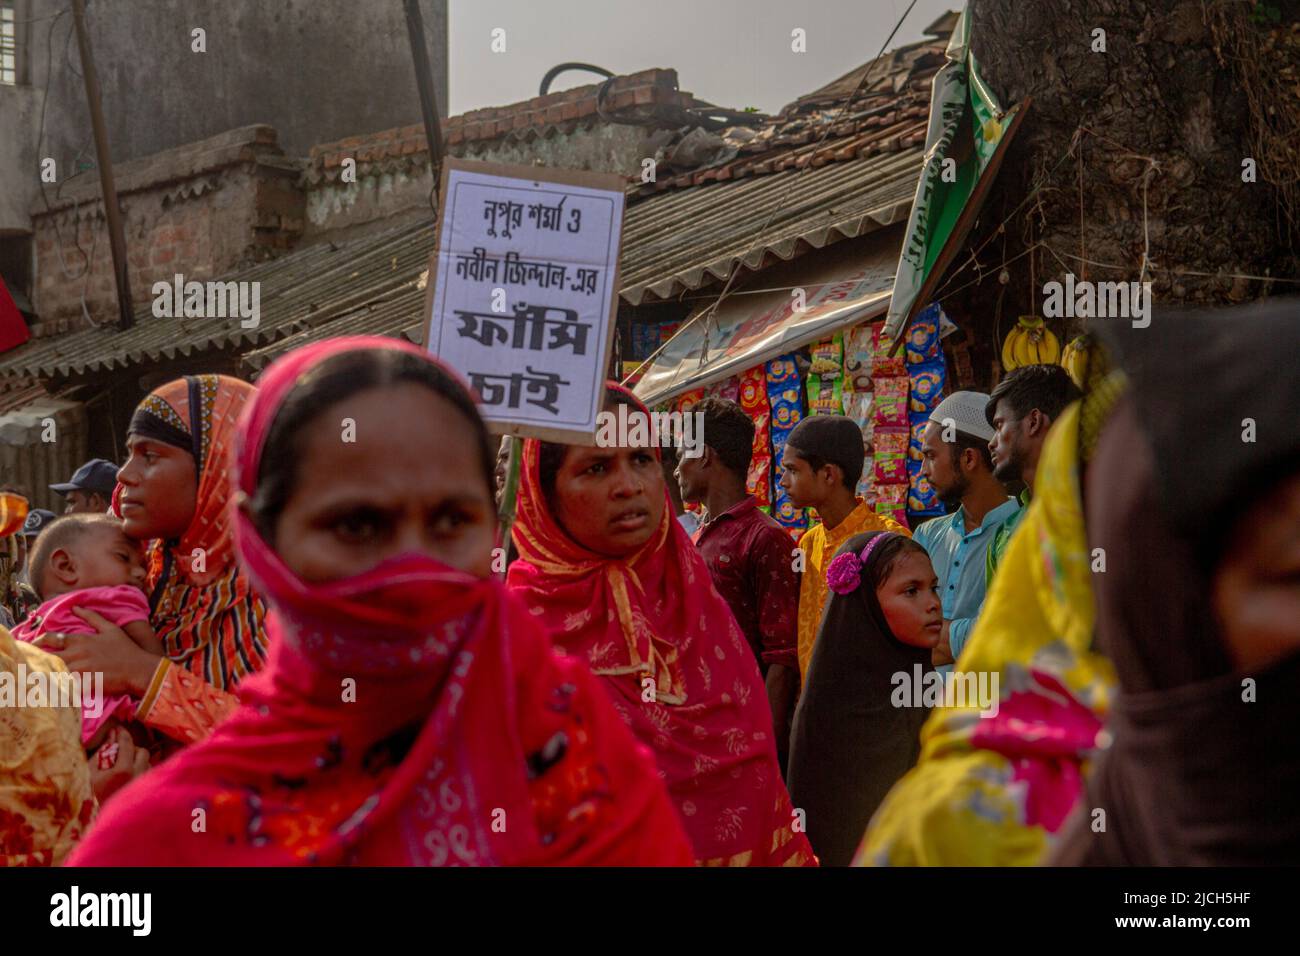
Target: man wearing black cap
x=91 y=487
x=24 y=597
x=37 y=519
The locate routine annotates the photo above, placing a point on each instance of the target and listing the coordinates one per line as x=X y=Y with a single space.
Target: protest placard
x=522 y=292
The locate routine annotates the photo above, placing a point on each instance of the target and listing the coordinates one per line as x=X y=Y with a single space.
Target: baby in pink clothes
x=85 y=561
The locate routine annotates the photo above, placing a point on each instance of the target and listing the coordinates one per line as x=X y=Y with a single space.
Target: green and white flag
x=967 y=128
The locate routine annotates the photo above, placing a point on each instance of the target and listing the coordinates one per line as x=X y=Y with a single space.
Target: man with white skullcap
x=956 y=461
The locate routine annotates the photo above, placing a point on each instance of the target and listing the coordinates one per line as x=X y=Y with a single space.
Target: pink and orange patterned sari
x=655 y=621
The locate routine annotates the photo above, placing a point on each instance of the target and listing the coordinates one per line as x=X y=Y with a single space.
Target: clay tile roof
x=832 y=165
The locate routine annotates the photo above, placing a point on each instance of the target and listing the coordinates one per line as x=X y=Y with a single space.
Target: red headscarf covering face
x=396 y=722
x=655 y=616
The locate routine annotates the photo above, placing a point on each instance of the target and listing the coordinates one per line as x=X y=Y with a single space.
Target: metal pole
x=424 y=83
x=116 y=237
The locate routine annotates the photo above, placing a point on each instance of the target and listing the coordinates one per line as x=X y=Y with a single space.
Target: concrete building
x=313 y=70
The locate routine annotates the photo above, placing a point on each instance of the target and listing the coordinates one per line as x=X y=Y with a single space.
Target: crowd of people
x=290 y=593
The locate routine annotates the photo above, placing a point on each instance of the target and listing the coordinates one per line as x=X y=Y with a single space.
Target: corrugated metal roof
x=401 y=317
x=683 y=239
x=302 y=290
x=837 y=163
x=674 y=242
x=21 y=395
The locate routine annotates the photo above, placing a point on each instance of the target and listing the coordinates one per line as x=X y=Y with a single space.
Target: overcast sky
x=733 y=53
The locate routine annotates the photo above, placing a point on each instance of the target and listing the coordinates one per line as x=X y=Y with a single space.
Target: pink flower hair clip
x=844 y=573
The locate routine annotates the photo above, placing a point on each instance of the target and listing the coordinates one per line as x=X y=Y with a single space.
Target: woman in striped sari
x=174 y=493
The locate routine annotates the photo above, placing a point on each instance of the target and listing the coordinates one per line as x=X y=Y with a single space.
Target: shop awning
x=843 y=286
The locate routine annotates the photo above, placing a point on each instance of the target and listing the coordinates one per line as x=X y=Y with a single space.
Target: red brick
x=587 y=107
x=644 y=95
x=569 y=111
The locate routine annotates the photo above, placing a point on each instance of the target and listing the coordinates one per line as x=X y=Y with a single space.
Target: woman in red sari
x=410 y=712
x=605 y=566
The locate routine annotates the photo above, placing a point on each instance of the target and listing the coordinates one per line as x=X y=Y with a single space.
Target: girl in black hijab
x=850 y=741
x=1194 y=493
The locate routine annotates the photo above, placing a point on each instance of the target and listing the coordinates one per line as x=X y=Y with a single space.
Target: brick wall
x=574 y=129
x=199 y=210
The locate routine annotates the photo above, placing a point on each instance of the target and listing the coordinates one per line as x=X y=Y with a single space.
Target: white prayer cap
x=966 y=409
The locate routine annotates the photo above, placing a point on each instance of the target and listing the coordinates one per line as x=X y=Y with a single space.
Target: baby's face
x=106 y=557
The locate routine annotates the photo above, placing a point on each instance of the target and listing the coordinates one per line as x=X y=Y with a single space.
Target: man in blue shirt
x=956 y=462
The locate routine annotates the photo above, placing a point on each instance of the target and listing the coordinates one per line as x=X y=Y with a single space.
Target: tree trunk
x=1139 y=149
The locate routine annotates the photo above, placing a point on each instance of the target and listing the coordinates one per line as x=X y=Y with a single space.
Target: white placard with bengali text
x=522 y=297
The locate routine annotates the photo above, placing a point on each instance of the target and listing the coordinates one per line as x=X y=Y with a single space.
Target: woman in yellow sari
x=45 y=795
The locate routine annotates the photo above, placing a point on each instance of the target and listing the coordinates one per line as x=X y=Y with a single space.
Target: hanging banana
x=1031 y=342
x=1077 y=357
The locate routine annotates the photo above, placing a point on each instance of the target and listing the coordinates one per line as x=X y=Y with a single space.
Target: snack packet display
x=883 y=365
x=728 y=388
x=891 y=500
x=927 y=387
x=889 y=402
x=857 y=357
x=753 y=399
x=781 y=370
x=753 y=392
x=891 y=441
x=918 y=425
x=784 y=393
x=828 y=356
x=759 y=480
x=922 y=343
x=890 y=469
x=921 y=497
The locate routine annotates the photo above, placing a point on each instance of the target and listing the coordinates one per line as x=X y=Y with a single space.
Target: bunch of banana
x=1078 y=357
x=1031 y=342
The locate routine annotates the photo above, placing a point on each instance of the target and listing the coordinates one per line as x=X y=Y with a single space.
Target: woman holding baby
x=173 y=498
